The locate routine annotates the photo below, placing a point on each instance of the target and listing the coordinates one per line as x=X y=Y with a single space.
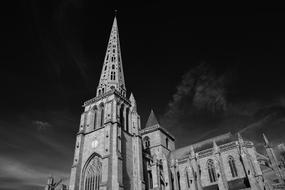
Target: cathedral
x=114 y=152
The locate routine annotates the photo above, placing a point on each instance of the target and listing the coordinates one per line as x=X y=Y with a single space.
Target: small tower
x=157 y=143
x=160 y=140
x=274 y=163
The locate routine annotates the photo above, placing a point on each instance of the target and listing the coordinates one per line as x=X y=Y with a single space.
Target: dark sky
x=203 y=71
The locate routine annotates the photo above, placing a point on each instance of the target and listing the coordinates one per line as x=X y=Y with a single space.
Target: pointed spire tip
x=152 y=120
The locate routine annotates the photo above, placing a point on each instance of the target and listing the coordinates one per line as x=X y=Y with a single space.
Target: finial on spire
x=115 y=11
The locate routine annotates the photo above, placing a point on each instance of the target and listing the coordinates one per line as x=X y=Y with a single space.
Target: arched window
x=187 y=178
x=113 y=66
x=178 y=179
x=161 y=177
x=92 y=176
x=149 y=178
x=95 y=117
x=211 y=171
x=172 y=181
x=122 y=119
x=127 y=119
x=146 y=142
x=232 y=166
x=101 y=116
x=166 y=142
x=113 y=77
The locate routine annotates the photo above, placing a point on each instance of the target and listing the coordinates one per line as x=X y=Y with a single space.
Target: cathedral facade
x=114 y=152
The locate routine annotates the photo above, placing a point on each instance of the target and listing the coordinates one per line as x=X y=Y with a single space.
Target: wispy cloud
x=41 y=125
x=201 y=89
x=33 y=146
x=204 y=106
x=23 y=174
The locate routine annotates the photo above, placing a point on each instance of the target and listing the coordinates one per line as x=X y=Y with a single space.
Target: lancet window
x=232 y=166
x=178 y=179
x=146 y=142
x=187 y=177
x=101 y=123
x=149 y=176
x=211 y=171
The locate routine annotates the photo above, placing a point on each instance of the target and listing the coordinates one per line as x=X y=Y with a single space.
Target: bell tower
x=108 y=150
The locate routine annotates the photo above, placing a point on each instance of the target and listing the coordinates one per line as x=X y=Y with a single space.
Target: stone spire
x=112 y=75
x=151 y=120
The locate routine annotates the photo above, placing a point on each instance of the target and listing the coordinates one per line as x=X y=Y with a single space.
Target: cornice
x=105 y=95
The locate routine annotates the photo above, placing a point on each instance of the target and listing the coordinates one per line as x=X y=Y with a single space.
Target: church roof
x=203 y=145
x=151 y=120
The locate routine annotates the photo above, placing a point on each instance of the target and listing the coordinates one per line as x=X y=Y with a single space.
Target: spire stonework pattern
x=112 y=75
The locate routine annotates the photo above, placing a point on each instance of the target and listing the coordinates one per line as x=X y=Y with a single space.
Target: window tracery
x=232 y=166
x=211 y=171
x=92 y=175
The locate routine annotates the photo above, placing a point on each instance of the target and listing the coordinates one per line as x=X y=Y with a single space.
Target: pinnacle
x=215 y=146
x=132 y=98
x=151 y=120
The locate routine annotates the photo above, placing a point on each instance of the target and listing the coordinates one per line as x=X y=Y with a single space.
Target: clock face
x=94 y=143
